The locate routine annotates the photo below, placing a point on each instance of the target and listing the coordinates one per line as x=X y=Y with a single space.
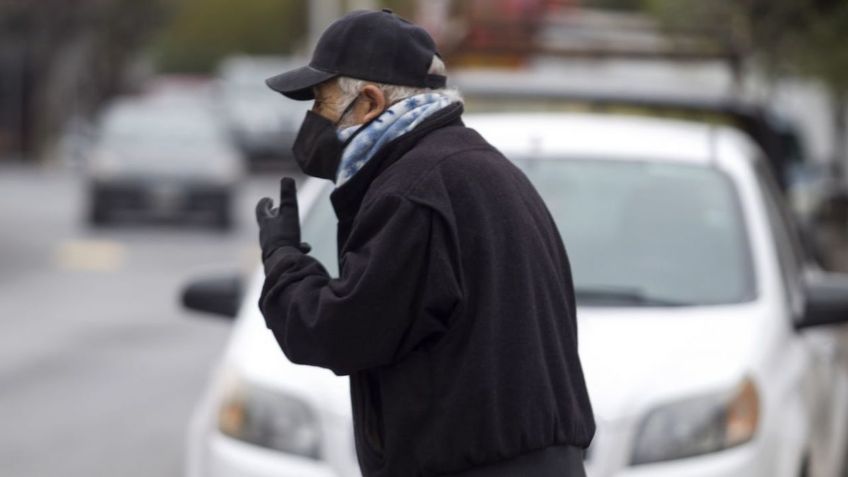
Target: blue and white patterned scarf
x=395 y=121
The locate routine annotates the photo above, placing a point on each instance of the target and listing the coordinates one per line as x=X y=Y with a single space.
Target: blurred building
x=14 y=72
x=574 y=39
x=62 y=58
x=511 y=33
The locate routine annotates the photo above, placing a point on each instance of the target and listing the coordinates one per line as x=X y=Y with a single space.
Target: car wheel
x=98 y=206
x=223 y=216
x=98 y=214
x=223 y=220
x=805 y=467
x=98 y=217
x=844 y=467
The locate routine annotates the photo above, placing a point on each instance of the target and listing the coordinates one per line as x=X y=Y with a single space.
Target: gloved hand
x=280 y=226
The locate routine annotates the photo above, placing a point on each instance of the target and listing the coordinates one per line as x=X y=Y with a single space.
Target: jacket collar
x=347 y=198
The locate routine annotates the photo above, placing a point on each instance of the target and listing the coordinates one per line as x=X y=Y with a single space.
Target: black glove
x=280 y=226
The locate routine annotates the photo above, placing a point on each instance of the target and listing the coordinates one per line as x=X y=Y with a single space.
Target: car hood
x=635 y=358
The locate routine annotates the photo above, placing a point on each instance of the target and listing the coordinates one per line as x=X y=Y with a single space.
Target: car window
x=789 y=251
x=780 y=218
x=161 y=129
x=637 y=233
x=648 y=233
x=319 y=230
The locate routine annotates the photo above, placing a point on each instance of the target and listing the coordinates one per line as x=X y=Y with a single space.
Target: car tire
x=223 y=221
x=805 y=467
x=98 y=213
x=223 y=215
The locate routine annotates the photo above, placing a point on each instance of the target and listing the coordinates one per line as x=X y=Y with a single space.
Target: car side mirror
x=827 y=301
x=219 y=296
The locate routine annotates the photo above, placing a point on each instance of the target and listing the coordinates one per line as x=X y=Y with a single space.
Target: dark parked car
x=163 y=160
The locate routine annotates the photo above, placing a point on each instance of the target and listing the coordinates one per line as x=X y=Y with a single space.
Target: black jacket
x=453 y=313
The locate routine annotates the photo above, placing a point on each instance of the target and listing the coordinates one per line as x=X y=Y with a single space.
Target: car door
x=827 y=376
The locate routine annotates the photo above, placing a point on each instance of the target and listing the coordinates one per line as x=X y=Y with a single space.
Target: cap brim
x=297 y=84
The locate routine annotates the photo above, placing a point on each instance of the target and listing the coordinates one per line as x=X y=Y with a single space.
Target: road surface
x=99 y=365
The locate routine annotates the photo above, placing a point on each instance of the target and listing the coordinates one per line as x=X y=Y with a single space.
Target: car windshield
x=161 y=130
x=648 y=233
x=637 y=233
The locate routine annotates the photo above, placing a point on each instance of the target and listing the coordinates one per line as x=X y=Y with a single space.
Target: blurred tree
x=614 y=4
x=803 y=37
x=404 y=8
x=822 y=52
x=61 y=58
x=201 y=32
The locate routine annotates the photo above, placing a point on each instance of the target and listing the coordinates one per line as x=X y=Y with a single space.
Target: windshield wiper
x=622 y=295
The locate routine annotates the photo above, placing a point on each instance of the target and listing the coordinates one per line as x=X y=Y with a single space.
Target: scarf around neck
x=397 y=120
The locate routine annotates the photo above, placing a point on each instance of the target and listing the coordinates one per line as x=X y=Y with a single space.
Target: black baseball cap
x=374 y=46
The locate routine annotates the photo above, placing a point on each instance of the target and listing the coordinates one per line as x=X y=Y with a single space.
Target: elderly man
x=454 y=310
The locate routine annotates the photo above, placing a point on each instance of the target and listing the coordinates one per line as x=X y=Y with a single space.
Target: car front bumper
x=159 y=198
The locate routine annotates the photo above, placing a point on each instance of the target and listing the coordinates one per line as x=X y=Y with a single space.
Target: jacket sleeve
x=397 y=289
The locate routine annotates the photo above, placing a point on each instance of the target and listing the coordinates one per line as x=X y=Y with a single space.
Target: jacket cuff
x=278 y=255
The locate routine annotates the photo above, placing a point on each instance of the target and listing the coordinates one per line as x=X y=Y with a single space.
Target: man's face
x=328 y=98
x=330 y=103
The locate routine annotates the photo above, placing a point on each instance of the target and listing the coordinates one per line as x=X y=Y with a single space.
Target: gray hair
x=350 y=87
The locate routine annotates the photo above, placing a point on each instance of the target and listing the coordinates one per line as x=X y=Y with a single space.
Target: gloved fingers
x=264 y=208
x=288 y=212
x=288 y=192
x=305 y=247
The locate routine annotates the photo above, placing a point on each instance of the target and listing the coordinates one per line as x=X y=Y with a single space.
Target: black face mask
x=317 y=147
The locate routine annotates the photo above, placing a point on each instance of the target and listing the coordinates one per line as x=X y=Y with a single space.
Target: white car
x=163 y=157
x=711 y=347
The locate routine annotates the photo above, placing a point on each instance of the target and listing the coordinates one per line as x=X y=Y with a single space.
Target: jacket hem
x=554 y=461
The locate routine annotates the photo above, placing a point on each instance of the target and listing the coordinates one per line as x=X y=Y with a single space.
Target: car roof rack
x=775 y=136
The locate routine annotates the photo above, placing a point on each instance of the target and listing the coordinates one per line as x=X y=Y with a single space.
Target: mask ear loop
x=346 y=111
x=361 y=128
x=349 y=140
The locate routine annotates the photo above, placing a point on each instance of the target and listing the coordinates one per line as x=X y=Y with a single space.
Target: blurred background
x=136 y=136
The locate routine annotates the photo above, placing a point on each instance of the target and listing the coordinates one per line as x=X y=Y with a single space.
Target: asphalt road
x=99 y=365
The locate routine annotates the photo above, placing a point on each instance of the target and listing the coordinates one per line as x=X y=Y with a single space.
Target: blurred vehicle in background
x=665 y=90
x=660 y=91
x=162 y=157
x=708 y=339
x=262 y=125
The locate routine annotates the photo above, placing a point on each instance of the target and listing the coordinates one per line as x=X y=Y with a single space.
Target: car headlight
x=270 y=419
x=698 y=426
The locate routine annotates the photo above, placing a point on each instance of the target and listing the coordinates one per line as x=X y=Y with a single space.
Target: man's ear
x=374 y=104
